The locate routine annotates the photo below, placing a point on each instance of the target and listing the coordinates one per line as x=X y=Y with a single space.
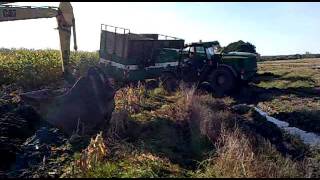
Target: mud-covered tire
x=151 y=84
x=169 y=82
x=222 y=81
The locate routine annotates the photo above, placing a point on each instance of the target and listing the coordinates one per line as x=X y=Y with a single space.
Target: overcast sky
x=274 y=28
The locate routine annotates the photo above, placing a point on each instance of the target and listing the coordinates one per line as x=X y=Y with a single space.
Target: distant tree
x=308 y=52
x=240 y=46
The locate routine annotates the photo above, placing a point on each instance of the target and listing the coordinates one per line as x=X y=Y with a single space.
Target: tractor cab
x=202 y=63
x=201 y=52
x=197 y=57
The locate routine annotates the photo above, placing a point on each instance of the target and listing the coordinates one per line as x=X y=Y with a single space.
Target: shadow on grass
x=268 y=77
x=170 y=139
x=254 y=94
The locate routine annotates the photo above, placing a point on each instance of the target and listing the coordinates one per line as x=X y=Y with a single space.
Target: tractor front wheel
x=169 y=82
x=222 y=81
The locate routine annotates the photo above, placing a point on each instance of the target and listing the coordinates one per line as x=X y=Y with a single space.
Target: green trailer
x=127 y=56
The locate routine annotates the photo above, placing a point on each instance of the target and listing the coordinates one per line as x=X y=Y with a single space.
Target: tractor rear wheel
x=222 y=81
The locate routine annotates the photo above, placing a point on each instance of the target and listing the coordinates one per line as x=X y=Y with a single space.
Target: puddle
x=309 y=138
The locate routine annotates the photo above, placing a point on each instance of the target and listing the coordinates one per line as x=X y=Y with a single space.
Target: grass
x=185 y=134
x=290 y=74
x=235 y=157
x=294 y=96
x=193 y=135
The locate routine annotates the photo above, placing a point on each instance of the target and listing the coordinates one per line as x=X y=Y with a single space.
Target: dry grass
x=209 y=118
x=235 y=157
x=180 y=110
x=202 y=116
x=235 y=154
x=93 y=154
x=118 y=124
x=124 y=160
x=130 y=98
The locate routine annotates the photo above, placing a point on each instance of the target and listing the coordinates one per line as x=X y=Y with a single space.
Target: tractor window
x=210 y=52
x=192 y=49
x=200 y=49
x=186 y=49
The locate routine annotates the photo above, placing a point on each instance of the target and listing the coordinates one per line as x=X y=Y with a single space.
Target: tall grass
x=205 y=120
x=236 y=157
x=233 y=153
x=130 y=98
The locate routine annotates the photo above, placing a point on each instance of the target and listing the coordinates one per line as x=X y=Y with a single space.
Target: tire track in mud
x=301 y=117
x=256 y=126
x=309 y=138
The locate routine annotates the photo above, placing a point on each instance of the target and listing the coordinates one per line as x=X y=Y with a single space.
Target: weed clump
x=236 y=157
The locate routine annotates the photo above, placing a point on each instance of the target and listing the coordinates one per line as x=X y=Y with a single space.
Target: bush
x=240 y=46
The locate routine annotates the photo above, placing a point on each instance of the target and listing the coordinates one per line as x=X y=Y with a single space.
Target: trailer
x=127 y=56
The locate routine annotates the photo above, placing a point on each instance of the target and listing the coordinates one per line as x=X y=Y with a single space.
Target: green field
x=295 y=90
x=187 y=133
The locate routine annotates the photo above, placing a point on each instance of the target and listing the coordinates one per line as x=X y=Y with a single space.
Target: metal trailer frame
x=131 y=57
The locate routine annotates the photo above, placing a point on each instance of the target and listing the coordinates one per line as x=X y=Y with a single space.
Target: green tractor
x=220 y=72
x=129 y=57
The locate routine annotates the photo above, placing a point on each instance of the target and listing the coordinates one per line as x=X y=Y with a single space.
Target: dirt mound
x=42 y=154
x=26 y=141
x=17 y=123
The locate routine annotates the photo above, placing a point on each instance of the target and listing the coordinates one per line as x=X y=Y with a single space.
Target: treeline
x=241 y=46
x=289 y=57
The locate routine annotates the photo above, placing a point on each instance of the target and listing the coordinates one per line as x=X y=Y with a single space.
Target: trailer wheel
x=222 y=81
x=169 y=82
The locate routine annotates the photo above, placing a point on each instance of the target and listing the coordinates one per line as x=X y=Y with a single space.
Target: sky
x=274 y=28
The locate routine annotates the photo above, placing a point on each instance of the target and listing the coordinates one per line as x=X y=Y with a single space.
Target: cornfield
x=34 y=68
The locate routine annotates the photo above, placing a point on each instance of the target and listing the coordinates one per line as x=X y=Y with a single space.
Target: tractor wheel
x=222 y=81
x=151 y=84
x=169 y=82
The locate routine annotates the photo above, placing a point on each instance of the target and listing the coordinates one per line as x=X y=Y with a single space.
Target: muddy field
x=290 y=91
x=185 y=134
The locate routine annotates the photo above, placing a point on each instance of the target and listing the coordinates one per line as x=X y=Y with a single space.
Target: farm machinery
x=65 y=20
x=130 y=57
x=84 y=103
x=88 y=102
